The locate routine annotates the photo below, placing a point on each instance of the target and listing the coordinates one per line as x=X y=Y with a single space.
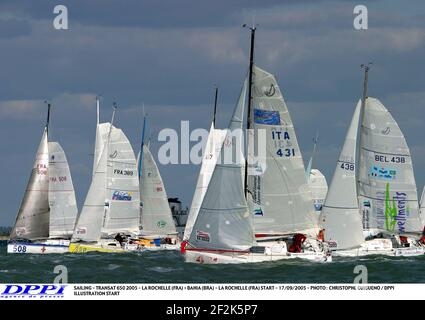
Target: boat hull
x=381 y=247
x=163 y=247
x=96 y=247
x=104 y=247
x=112 y=246
x=155 y=244
x=203 y=257
x=273 y=251
x=41 y=247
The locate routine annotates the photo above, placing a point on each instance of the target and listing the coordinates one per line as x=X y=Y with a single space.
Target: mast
x=48 y=116
x=248 y=126
x=215 y=105
x=366 y=68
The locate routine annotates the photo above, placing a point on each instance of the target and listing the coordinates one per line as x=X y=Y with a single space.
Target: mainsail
x=279 y=195
x=156 y=217
x=122 y=187
x=387 y=187
x=32 y=221
x=63 y=206
x=340 y=214
x=224 y=221
x=209 y=160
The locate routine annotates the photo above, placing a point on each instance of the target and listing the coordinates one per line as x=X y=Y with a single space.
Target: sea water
x=169 y=267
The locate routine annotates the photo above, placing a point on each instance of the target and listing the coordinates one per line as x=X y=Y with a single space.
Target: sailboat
x=48 y=210
x=110 y=214
x=158 y=230
x=372 y=205
x=278 y=194
x=224 y=230
x=209 y=160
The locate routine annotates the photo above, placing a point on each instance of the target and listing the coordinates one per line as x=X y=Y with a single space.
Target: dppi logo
x=33 y=291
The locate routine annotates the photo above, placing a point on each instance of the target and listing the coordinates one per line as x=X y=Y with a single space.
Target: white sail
x=122 y=187
x=89 y=223
x=319 y=188
x=387 y=187
x=32 y=221
x=280 y=197
x=224 y=221
x=156 y=216
x=63 y=206
x=209 y=160
x=340 y=214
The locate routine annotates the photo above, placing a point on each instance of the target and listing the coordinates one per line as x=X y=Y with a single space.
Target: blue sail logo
x=266 y=117
x=382 y=173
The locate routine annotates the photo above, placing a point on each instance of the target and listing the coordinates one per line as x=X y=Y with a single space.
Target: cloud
x=11 y=28
x=20 y=109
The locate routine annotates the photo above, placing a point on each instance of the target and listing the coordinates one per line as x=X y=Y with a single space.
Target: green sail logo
x=161 y=224
x=391 y=211
x=396 y=210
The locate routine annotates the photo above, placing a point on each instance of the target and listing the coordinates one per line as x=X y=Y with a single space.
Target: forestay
x=340 y=216
x=387 y=187
x=209 y=160
x=280 y=197
x=32 y=221
x=63 y=206
x=224 y=221
x=156 y=217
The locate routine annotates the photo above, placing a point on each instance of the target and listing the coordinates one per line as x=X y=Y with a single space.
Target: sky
x=169 y=54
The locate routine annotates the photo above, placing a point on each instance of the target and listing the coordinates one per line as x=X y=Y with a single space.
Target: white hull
x=39 y=247
x=381 y=247
x=273 y=251
x=164 y=247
